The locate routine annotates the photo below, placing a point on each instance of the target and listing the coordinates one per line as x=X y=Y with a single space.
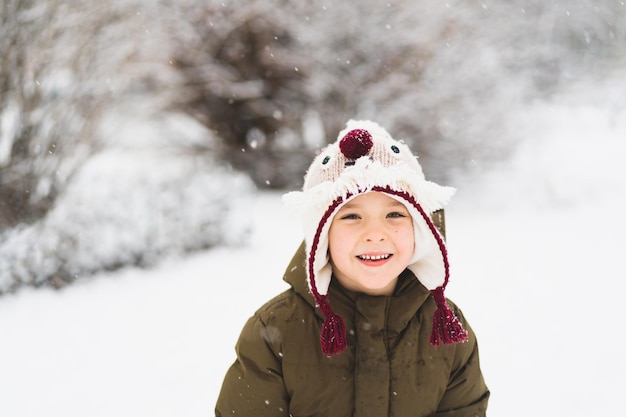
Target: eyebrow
x=351 y=205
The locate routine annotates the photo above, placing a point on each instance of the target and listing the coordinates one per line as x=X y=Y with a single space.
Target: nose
x=375 y=232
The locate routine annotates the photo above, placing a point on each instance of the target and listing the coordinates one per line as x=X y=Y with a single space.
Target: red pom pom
x=356 y=143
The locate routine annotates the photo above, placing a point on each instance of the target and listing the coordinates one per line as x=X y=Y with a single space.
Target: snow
x=535 y=247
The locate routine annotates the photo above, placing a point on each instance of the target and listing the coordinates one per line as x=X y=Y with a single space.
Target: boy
x=365 y=329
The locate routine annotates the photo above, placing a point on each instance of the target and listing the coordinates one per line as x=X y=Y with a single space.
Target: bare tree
x=243 y=77
x=63 y=63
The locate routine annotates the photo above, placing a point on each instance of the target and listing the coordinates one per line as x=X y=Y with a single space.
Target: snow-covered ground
x=536 y=251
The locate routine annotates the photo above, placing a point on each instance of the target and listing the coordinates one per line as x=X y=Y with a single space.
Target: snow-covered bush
x=133 y=203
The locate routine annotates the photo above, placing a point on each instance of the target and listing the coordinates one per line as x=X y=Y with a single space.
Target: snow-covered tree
x=94 y=172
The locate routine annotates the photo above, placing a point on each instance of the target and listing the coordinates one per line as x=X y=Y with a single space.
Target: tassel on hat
x=366 y=158
x=446 y=326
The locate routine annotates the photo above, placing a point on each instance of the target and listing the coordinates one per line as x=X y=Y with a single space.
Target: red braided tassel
x=446 y=326
x=333 y=334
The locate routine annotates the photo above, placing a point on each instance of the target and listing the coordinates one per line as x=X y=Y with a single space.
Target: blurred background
x=129 y=128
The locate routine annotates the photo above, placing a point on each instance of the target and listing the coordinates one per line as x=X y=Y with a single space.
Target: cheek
x=406 y=236
x=335 y=240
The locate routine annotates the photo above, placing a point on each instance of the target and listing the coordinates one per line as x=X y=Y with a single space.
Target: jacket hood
x=295 y=275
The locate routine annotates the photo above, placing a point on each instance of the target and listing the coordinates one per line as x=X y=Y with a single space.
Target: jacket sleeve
x=253 y=385
x=466 y=395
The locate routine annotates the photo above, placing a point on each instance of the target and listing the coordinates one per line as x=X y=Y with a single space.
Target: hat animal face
x=366 y=158
x=358 y=140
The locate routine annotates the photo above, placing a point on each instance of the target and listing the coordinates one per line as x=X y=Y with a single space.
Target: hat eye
x=327 y=162
x=395 y=151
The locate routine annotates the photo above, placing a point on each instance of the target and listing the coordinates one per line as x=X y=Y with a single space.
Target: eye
x=395 y=151
x=326 y=160
x=349 y=216
x=396 y=215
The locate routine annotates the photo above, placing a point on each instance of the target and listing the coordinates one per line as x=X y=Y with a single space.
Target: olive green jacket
x=389 y=368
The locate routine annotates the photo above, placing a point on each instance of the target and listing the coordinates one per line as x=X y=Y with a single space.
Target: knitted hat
x=366 y=158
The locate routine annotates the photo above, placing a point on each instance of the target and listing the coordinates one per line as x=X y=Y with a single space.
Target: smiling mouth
x=374 y=257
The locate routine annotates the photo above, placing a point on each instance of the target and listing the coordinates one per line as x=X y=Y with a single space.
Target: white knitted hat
x=366 y=158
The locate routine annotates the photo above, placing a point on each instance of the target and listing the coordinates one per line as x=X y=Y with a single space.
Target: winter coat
x=389 y=368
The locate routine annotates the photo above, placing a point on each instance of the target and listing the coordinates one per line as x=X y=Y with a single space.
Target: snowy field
x=536 y=250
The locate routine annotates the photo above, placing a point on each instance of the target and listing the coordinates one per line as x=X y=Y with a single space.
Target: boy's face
x=371 y=241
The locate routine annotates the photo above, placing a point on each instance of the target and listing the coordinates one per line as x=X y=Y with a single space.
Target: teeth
x=374 y=258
